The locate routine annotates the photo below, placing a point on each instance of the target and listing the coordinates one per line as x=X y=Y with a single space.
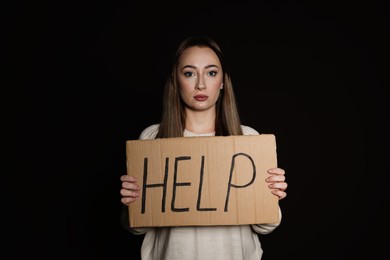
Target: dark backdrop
x=89 y=76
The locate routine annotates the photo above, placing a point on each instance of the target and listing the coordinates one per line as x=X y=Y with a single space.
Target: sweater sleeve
x=150 y=132
x=267 y=228
x=247 y=130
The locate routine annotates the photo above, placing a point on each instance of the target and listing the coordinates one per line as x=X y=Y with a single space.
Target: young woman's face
x=200 y=78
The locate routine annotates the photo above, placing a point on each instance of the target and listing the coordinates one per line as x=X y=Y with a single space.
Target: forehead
x=197 y=55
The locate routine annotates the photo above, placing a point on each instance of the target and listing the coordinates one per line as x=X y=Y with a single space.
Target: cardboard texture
x=210 y=180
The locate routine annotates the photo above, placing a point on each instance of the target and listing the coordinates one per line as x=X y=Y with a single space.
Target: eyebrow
x=193 y=67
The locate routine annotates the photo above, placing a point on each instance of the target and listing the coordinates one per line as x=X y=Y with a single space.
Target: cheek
x=215 y=87
x=185 y=85
x=184 y=89
x=216 y=84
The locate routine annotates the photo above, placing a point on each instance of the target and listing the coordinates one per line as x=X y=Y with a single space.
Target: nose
x=200 y=84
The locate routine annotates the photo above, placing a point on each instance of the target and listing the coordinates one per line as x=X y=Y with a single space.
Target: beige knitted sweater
x=202 y=242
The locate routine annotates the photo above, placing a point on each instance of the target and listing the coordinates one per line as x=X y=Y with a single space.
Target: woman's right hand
x=129 y=190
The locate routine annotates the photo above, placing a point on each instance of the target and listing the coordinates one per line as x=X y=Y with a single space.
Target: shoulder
x=149 y=132
x=247 y=130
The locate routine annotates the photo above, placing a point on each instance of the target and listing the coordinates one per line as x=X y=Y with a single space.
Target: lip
x=201 y=97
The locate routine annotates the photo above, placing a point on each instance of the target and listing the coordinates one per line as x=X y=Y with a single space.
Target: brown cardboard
x=210 y=180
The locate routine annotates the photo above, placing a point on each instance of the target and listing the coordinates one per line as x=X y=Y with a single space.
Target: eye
x=188 y=74
x=212 y=73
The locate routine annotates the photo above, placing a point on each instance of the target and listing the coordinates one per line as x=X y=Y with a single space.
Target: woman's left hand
x=277 y=182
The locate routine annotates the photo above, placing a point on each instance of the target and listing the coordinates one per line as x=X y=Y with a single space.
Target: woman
x=199 y=101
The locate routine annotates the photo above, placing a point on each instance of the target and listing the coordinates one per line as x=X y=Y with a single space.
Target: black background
x=84 y=77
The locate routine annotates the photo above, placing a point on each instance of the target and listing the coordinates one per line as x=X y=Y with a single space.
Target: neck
x=200 y=122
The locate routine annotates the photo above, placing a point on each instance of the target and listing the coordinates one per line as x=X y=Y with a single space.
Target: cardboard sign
x=209 y=180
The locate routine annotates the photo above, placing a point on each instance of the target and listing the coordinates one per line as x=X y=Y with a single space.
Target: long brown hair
x=227 y=120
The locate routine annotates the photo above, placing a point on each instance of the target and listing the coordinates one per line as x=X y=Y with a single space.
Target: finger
x=127 y=200
x=278 y=185
x=129 y=193
x=275 y=178
x=129 y=178
x=280 y=194
x=130 y=186
x=276 y=171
